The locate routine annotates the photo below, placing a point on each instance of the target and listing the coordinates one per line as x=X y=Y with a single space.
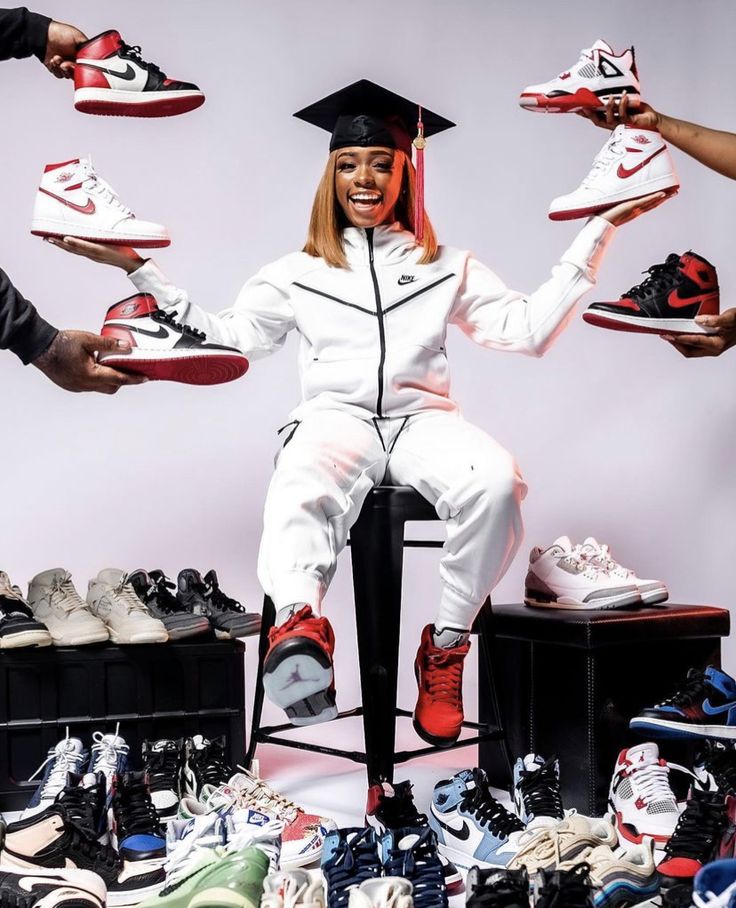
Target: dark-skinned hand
x=71 y=364
x=696 y=345
x=62 y=44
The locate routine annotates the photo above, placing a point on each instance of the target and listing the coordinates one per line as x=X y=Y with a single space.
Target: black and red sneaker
x=298 y=674
x=112 y=79
x=696 y=839
x=666 y=302
x=165 y=349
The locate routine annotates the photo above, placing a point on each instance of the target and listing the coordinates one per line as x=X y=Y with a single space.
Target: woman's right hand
x=124 y=257
x=644 y=116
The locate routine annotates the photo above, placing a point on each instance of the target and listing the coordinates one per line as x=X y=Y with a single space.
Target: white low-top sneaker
x=73 y=200
x=113 y=599
x=561 y=577
x=633 y=163
x=56 y=602
x=652 y=591
x=598 y=76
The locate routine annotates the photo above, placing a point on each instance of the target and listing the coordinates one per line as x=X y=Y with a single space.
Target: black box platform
x=167 y=690
x=570 y=681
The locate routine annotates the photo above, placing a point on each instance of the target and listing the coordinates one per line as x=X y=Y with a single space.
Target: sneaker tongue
x=532 y=762
x=408 y=841
x=113 y=576
x=88 y=781
x=563 y=542
x=591 y=546
x=70 y=746
x=643 y=754
x=600 y=44
x=468 y=778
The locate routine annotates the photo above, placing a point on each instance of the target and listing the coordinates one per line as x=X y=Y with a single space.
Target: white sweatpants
x=330 y=463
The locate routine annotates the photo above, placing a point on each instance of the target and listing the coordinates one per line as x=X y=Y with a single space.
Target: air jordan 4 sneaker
x=598 y=76
x=666 y=302
x=55 y=601
x=640 y=797
x=73 y=200
x=111 y=597
x=632 y=164
x=165 y=349
x=111 y=78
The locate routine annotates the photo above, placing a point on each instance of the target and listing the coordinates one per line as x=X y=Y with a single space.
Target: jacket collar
x=391 y=243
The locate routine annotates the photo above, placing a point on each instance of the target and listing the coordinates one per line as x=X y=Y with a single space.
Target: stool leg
x=268 y=619
x=377 y=551
x=489 y=708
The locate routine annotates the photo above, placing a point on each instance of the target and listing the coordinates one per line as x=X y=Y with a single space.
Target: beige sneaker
x=631 y=875
x=552 y=847
x=112 y=599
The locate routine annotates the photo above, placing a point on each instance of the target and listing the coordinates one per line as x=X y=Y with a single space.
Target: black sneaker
x=83 y=799
x=162 y=762
x=18 y=627
x=715 y=766
x=206 y=764
x=137 y=831
x=229 y=618
x=154 y=590
x=392 y=807
x=349 y=858
x=496 y=887
x=564 y=888
x=412 y=854
x=536 y=791
x=50 y=888
x=696 y=837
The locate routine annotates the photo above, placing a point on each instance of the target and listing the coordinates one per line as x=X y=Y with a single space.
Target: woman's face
x=368 y=183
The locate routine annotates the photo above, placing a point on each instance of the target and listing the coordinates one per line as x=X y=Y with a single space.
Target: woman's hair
x=327 y=221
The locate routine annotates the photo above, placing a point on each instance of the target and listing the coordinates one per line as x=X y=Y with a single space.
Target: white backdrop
x=616 y=434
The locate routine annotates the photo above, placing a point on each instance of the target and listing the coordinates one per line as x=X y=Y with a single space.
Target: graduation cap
x=365 y=114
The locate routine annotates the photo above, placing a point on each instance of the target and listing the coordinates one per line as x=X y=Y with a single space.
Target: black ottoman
x=570 y=681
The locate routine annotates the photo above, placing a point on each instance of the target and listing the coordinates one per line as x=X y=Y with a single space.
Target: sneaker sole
x=654 y=597
x=620 y=322
x=81 y=640
x=108 y=102
x=303 y=660
x=220 y=897
x=430 y=738
x=582 y=99
x=624 y=892
x=669 y=729
x=25 y=639
x=125 y=639
x=631 y=833
x=245 y=628
x=191 y=630
x=567 y=602
x=132 y=896
x=669 y=184
x=187 y=368
x=60 y=229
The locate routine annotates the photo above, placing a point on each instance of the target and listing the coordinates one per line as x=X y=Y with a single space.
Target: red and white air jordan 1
x=666 y=302
x=164 y=349
x=73 y=200
x=110 y=78
x=599 y=75
x=633 y=163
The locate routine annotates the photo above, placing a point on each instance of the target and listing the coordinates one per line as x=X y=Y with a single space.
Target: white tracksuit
x=375 y=398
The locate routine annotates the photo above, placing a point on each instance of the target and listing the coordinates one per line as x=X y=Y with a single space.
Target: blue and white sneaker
x=623 y=879
x=537 y=798
x=109 y=756
x=703 y=707
x=411 y=853
x=715 y=885
x=349 y=857
x=137 y=831
x=69 y=755
x=472 y=827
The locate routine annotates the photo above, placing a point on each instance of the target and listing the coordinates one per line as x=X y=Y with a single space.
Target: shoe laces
x=221 y=601
x=318 y=627
x=106 y=754
x=508 y=890
x=64 y=759
x=102 y=856
x=711 y=899
x=162 y=767
x=209 y=763
x=134 y=811
x=652 y=782
x=159 y=589
x=400 y=810
x=489 y=812
x=355 y=860
x=605 y=157
x=125 y=594
x=421 y=866
x=205 y=832
x=9 y=591
x=698 y=828
x=260 y=794
x=569 y=888
x=168 y=318
x=94 y=184
x=659 y=278
x=540 y=790
x=134 y=51
x=83 y=806
x=267 y=838
x=63 y=592
x=692 y=690
x=443 y=678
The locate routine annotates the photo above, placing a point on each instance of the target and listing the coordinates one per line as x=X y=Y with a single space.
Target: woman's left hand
x=627 y=211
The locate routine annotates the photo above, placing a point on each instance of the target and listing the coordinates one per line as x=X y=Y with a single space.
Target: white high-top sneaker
x=113 y=599
x=652 y=591
x=73 y=200
x=560 y=577
x=599 y=75
x=55 y=601
x=633 y=163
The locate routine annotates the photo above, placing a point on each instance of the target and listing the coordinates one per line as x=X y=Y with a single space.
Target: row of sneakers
x=125 y=608
x=585 y=577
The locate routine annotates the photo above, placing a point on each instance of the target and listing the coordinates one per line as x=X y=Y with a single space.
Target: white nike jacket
x=372 y=336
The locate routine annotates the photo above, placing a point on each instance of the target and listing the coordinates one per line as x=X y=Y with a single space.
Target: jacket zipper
x=381 y=327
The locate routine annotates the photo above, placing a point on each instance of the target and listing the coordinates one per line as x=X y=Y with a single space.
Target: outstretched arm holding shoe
x=26 y=34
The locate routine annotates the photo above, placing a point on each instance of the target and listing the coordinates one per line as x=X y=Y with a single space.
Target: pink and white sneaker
x=599 y=75
x=640 y=797
x=633 y=163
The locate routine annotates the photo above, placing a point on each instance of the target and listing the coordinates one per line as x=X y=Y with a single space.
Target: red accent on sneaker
x=136 y=306
x=119 y=332
x=100 y=47
x=375 y=796
x=303 y=624
x=682 y=868
x=438 y=714
x=49 y=167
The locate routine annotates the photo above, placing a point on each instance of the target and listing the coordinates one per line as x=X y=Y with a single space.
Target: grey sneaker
x=204 y=597
x=154 y=589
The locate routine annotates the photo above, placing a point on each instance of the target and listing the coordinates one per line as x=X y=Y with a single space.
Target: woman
x=372 y=304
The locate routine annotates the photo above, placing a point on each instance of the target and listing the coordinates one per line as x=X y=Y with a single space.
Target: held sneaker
x=164 y=349
x=229 y=618
x=392 y=807
x=560 y=577
x=496 y=888
x=350 y=857
x=112 y=79
x=537 y=797
x=625 y=879
x=566 y=842
x=68 y=756
x=412 y=854
x=113 y=599
x=55 y=888
x=696 y=837
x=298 y=673
x=18 y=627
x=703 y=707
x=472 y=827
x=632 y=164
x=598 y=76
x=162 y=763
x=564 y=888
x=56 y=602
x=438 y=715
x=293 y=889
x=154 y=591
x=640 y=795
x=136 y=828
x=666 y=302
x=73 y=200
x=651 y=591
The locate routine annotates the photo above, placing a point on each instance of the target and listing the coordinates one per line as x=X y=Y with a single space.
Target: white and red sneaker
x=164 y=349
x=640 y=796
x=110 y=78
x=73 y=200
x=633 y=163
x=599 y=75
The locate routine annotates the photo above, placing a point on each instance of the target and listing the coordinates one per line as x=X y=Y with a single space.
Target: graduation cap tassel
x=419 y=144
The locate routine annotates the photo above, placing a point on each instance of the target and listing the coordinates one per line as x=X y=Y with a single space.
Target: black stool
x=377 y=549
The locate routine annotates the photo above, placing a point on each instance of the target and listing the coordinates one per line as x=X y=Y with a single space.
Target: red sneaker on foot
x=438 y=714
x=297 y=672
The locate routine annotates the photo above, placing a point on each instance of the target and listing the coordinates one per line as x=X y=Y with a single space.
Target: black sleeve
x=22 y=33
x=22 y=329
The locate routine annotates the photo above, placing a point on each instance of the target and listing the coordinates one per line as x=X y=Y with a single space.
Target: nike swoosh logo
x=675 y=301
x=715 y=710
x=463 y=833
x=128 y=73
x=161 y=333
x=89 y=208
x=625 y=172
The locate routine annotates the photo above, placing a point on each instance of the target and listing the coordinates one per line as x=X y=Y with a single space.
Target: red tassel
x=419 y=144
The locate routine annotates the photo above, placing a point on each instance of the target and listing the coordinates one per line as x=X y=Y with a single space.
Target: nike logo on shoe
x=89 y=208
x=128 y=73
x=715 y=710
x=625 y=172
x=675 y=301
x=461 y=832
x=406 y=279
x=160 y=334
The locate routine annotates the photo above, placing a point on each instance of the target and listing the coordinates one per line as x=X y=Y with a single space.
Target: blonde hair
x=324 y=239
